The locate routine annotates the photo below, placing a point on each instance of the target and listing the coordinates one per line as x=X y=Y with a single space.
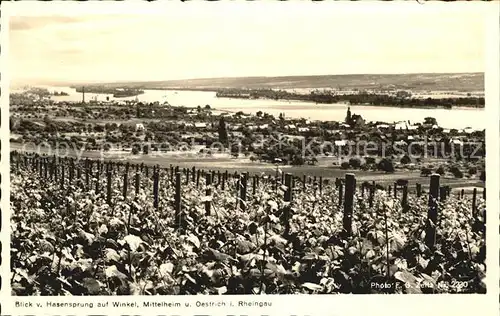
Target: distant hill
x=465 y=82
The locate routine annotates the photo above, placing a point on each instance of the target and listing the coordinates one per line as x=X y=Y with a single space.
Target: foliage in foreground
x=70 y=242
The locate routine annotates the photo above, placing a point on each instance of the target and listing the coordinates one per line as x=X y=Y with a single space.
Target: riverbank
x=401 y=99
x=432 y=99
x=121 y=92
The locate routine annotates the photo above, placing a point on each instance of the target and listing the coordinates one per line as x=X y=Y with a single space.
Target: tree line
x=400 y=100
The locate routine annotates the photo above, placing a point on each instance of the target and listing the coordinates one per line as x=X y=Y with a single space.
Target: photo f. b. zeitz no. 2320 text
x=261 y=180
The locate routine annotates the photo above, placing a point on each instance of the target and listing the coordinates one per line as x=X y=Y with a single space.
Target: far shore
x=216 y=89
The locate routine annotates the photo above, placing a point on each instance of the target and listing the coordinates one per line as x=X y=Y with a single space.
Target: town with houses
x=126 y=126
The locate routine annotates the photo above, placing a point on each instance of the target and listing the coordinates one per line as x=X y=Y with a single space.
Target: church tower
x=348 y=116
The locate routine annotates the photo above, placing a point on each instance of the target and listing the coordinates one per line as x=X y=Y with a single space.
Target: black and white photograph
x=232 y=152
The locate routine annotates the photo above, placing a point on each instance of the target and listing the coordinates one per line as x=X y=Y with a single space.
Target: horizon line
x=60 y=81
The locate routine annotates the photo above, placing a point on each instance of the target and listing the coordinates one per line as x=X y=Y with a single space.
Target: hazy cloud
x=191 y=44
x=20 y=23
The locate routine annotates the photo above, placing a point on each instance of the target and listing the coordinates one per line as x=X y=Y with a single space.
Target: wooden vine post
x=98 y=175
x=55 y=162
x=88 y=168
x=155 y=186
x=474 y=197
x=288 y=184
x=34 y=164
x=404 y=201
x=177 y=200
x=288 y=199
x=442 y=194
x=40 y=167
x=78 y=171
x=243 y=190
x=62 y=174
x=350 y=187
x=137 y=182
x=45 y=167
x=71 y=170
x=224 y=179
x=208 y=192
x=371 y=194
x=432 y=214
x=125 y=181
x=17 y=162
x=108 y=182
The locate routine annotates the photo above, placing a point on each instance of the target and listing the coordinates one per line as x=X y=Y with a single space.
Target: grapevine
x=69 y=239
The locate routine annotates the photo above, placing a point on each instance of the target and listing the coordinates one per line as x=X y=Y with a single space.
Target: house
x=357 y=120
x=340 y=143
x=200 y=125
x=456 y=142
x=295 y=137
x=139 y=127
x=400 y=125
x=235 y=127
x=237 y=134
x=303 y=129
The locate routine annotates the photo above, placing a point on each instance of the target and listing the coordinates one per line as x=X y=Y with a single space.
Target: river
x=454 y=118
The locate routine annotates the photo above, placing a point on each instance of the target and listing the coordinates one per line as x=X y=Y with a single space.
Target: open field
x=184 y=160
x=467 y=82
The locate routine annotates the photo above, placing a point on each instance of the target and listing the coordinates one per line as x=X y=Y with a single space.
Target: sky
x=184 y=43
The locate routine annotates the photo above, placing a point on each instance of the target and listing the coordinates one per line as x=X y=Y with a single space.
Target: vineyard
x=93 y=227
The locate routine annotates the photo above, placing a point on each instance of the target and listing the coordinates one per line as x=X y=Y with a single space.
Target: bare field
x=242 y=165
